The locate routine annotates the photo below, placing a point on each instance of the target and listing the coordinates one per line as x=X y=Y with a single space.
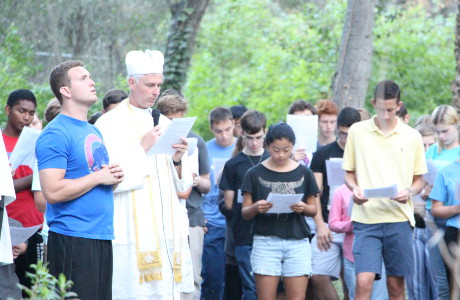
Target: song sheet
x=179 y=127
x=21 y=234
x=382 y=192
x=282 y=202
x=335 y=173
x=24 y=151
x=305 y=130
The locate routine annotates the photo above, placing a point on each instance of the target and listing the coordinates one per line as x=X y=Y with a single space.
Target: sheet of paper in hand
x=382 y=192
x=282 y=202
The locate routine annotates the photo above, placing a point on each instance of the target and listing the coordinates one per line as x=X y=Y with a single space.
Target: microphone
x=156 y=116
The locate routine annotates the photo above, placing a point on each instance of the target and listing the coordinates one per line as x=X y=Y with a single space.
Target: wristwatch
x=177 y=163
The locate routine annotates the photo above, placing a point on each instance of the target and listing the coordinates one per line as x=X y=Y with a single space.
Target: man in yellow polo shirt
x=380 y=152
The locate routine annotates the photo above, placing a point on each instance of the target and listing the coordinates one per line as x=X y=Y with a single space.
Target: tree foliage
x=16 y=69
x=253 y=53
x=261 y=53
x=416 y=51
x=46 y=286
x=185 y=21
x=257 y=54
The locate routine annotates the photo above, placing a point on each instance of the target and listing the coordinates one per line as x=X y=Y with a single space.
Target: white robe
x=6 y=190
x=121 y=129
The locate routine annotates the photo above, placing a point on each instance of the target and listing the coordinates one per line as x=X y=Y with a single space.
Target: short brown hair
x=59 y=77
x=219 y=114
x=327 y=107
x=172 y=104
x=53 y=108
x=253 y=121
x=301 y=105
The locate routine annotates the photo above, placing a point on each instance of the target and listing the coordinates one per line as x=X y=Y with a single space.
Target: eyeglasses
x=342 y=134
x=254 y=138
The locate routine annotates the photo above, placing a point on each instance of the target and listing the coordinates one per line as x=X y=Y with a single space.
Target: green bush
x=46 y=286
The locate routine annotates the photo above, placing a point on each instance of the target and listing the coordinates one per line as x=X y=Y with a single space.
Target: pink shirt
x=340 y=220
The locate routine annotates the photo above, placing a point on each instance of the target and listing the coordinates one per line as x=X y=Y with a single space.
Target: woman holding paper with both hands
x=281 y=246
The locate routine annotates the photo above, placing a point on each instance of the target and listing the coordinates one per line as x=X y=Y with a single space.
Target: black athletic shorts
x=86 y=262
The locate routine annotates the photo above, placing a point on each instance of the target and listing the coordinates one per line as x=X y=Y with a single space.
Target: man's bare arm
x=323 y=234
x=21 y=184
x=228 y=199
x=418 y=183
x=40 y=201
x=57 y=189
x=202 y=183
x=352 y=183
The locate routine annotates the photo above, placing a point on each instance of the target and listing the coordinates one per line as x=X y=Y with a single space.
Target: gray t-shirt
x=194 y=201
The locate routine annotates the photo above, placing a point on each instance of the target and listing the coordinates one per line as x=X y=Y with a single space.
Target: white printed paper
x=334 y=171
x=21 y=234
x=305 y=130
x=282 y=202
x=6 y=179
x=24 y=151
x=383 y=192
x=350 y=206
x=218 y=165
x=430 y=177
x=192 y=144
x=239 y=197
x=179 y=127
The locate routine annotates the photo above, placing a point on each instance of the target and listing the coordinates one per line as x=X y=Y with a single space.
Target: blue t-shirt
x=217 y=157
x=441 y=159
x=444 y=189
x=77 y=146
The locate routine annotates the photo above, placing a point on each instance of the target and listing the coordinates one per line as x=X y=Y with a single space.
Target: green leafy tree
x=253 y=53
x=416 y=51
x=16 y=66
x=185 y=21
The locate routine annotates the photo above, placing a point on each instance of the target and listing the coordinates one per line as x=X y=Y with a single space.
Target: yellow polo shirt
x=381 y=160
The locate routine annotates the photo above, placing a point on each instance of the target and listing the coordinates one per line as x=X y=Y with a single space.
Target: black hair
x=113 y=97
x=238 y=111
x=279 y=131
x=20 y=94
x=348 y=116
x=386 y=90
x=92 y=120
x=402 y=112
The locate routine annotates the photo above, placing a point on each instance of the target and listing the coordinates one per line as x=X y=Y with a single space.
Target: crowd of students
x=378 y=246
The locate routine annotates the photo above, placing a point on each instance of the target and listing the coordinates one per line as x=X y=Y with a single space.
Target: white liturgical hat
x=148 y=62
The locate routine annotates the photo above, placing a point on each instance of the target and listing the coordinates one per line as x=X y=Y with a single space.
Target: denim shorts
x=275 y=256
x=391 y=243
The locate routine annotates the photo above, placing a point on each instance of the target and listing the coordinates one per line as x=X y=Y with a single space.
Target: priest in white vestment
x=8 y=278
x=151 y=255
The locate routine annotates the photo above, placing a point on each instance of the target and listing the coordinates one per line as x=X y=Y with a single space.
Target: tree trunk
x=456 y=82
x=185 y=23
x=350 y=82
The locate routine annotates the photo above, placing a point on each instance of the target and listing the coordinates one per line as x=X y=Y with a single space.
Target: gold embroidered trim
x=149 y=263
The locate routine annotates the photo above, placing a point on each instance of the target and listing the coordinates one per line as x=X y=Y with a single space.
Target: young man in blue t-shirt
x=219 y=150
x=77 y=182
